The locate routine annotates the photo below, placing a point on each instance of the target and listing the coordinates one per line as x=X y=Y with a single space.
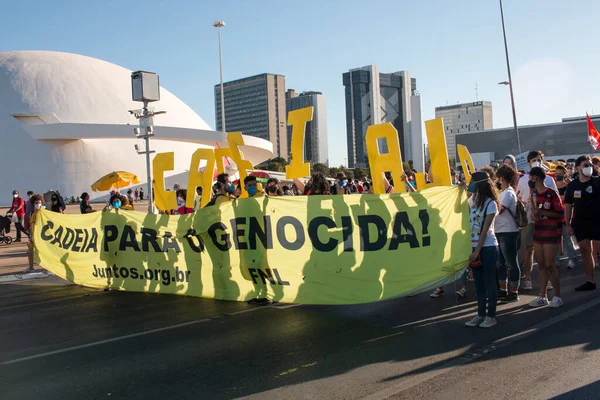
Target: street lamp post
x=145 y=87
x=510 y=82
x=219 y=25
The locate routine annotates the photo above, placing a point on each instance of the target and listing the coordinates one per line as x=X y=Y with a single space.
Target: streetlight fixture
x=509 y=82
x=145 y=87
x=219 y=25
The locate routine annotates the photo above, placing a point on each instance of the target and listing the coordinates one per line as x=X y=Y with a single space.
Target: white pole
x=219 y=25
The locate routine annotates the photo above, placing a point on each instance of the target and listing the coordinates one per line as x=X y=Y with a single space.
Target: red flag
x=593 y=135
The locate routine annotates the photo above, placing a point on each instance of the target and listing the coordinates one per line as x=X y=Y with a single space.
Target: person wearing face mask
x=582 y=215
x=562 y=180
x=38 y=203
x=18 y=208
x=181 y=208
x=223 y=190
x=547 y=212
x=340 y=185
x=272 y=188
x=507 y=231
x=55 y=207
x=251 y=186
x=483 y=259
x=28 y=211
x=524 y=193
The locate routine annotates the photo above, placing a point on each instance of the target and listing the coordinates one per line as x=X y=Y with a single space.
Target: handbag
x=477 y=262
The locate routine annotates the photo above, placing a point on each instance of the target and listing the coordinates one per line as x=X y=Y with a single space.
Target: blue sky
x=448 y=46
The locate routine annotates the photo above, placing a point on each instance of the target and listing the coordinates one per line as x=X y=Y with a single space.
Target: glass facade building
x=374 y=98
x=315 y=138
x=255 y=106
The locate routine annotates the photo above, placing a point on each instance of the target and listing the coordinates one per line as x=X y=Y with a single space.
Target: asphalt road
x=61 y=341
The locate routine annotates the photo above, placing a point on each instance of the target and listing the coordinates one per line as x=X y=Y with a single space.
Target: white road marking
x=130 y=336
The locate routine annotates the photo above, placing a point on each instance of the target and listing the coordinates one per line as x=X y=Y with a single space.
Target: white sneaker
x=571 y=264
x=549 y=287
x=526 y=284
x=556 y=302
x=437 y=293
x=476 y=321
x=539 y=302
x=488 y=322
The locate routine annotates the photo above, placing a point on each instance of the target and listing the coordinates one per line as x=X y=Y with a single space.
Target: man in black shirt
x=582 y=213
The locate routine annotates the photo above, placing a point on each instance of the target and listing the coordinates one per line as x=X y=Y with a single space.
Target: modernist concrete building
x=315 y=138
x=464 y=118
x=64 y=123
x=255 y=106
x=559 y=140
x=375 y=98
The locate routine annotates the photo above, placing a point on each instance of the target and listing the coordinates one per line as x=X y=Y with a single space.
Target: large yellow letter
x=197 y=178
x=438 y=155
x=466 y=161
x=219 y=154
x=380 y=163
x=298 y=119
x=235 y=139
x=163 y=200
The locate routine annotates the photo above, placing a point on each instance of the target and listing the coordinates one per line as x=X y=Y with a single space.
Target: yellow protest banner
x=388 y=162
x=163 y=199
x=200 y=178
x=466 y=161
x=298 y=119
x=235 y=139
x=305 y=249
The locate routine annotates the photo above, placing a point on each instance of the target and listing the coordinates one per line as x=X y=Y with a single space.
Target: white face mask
x=536 y=164
x=587 y=171
x=180 y=202
x=15 y=195
x=38 y=206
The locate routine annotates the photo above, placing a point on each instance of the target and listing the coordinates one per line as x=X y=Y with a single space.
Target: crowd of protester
x=515 y=218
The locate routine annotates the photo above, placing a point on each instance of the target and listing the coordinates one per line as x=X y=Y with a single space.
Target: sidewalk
x=13 y=257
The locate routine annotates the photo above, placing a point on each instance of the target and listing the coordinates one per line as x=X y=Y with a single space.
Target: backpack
x=520 y=216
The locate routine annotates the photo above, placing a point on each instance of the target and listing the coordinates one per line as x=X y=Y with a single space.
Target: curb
x=23 y=277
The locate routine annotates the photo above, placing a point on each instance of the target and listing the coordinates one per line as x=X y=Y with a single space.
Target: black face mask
x=498 y=186
x=531 y=184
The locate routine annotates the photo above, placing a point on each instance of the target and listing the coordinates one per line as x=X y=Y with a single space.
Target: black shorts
x=586 y=229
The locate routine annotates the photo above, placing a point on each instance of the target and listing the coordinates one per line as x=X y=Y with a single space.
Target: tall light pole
x=145 y=88
x=510 y=82
x=219 y=25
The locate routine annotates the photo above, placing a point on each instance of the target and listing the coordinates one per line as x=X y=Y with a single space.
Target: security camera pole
x=146 y=88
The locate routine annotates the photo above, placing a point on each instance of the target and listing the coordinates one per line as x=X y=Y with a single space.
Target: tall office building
x=315 y=138
x=464 y=118
x=375 y=98
x=255 y=106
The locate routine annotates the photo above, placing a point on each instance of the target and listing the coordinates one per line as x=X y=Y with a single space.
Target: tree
x=277 y=164
x=320 y=167
x=333 y=171
x=360 y=173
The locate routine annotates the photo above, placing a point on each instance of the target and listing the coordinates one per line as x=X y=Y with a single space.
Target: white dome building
x=64 y=123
